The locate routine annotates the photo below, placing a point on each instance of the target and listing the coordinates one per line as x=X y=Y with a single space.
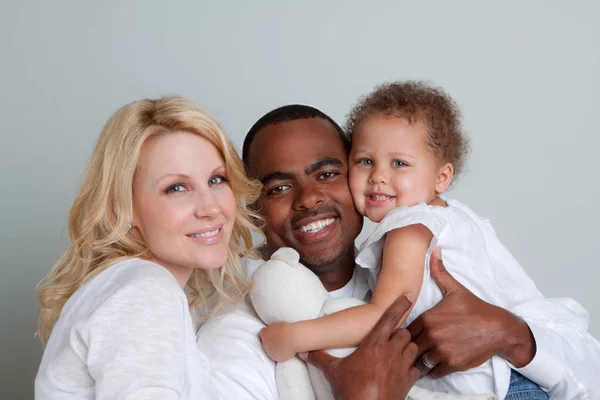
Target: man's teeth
x=380 y=197
x=206 y=234
x=317 y=225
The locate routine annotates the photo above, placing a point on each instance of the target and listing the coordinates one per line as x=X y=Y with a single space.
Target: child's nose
x=378 y=176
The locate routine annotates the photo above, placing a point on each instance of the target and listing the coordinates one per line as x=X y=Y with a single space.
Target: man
x=300 y=155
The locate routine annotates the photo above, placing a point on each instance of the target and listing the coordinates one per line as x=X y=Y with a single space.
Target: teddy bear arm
x=293 y=381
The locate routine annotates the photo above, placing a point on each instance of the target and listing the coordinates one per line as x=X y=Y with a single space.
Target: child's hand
x=277 y=340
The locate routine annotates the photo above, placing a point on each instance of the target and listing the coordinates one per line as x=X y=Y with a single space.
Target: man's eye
x=278 y=190
x=367 y=162
x=327 y=175
x=398 y=164
x=176 y=188
x=215 y=180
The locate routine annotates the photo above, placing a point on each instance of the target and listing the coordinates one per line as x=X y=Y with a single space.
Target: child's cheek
x=356 y=182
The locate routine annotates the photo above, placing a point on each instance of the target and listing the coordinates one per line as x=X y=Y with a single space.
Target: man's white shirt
x=566 y=364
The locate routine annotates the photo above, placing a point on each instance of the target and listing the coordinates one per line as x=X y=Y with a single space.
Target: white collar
x=357 y=287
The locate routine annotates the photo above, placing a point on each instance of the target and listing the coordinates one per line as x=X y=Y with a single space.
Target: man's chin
x=315 y=260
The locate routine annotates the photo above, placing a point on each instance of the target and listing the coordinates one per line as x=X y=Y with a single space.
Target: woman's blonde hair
x=100 y=217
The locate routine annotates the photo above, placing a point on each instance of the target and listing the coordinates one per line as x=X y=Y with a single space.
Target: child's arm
x=401 y=272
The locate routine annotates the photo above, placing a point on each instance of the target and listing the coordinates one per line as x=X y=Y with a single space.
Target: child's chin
x=377 y=216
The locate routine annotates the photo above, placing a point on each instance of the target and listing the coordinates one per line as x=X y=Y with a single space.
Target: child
x=407 y=146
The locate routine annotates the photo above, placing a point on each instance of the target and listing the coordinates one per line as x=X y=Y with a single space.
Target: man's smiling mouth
x=316 y=226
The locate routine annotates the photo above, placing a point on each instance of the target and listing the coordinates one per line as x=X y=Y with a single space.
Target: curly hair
x=100 y=216
x=418 y=100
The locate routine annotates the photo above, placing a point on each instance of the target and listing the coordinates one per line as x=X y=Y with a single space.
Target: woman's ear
x=134 y=227
x=135 y=219
x=444 y=178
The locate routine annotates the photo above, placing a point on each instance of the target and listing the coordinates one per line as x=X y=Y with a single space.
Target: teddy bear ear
x=287 y=255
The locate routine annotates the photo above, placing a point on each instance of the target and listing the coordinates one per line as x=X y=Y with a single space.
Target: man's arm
x=462 y=331
x=240 y=369
x=567 y=361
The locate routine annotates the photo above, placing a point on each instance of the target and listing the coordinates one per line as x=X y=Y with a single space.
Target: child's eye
x=215 y=180
x=398 y=164
x=367 y=162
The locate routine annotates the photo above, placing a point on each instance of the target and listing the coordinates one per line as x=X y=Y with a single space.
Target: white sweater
x=125 y=334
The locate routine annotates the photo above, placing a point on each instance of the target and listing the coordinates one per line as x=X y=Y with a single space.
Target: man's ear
x=444 y=178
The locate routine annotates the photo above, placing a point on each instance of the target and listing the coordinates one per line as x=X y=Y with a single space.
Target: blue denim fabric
x=522 y=388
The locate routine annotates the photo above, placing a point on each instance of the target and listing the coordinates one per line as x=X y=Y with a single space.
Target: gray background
x=525 y=74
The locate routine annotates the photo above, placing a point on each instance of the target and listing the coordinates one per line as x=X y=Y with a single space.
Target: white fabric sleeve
x=135 y=339
x=433 y=218
x=240 y=369
x=567 y=360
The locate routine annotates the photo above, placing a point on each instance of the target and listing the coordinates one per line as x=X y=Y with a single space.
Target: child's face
x=391 y=165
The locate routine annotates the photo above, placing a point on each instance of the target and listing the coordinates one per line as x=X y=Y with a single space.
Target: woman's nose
x=207 y=205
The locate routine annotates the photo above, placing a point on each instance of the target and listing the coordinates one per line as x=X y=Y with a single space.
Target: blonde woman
x=161 y=213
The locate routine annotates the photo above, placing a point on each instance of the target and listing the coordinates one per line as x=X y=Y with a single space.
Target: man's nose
x=309 y=197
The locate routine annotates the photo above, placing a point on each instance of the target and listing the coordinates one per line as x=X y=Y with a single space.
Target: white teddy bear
x=285 y=290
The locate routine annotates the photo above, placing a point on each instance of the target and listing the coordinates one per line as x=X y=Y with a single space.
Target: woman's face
x=183 y=205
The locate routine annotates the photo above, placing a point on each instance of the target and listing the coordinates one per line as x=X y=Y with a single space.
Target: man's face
x=305 y=200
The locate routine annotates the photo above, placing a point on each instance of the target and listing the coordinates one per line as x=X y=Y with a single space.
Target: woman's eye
x=215 y=180
x=398 y=164
x=366 y=162
x=176 y=188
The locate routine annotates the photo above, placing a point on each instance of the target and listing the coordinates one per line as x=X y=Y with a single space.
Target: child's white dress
x=473 y=254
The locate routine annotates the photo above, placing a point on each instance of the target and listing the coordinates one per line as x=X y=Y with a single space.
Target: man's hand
x=462 y=331
x=277 y=340
x=380 y=369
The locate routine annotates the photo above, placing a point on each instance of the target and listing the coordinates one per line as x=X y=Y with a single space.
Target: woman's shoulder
x=138 y=271
x=136 y=274
x=133 y=282
x=143 y=277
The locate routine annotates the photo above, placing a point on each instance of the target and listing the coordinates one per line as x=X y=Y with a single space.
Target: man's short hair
x=286 y=113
